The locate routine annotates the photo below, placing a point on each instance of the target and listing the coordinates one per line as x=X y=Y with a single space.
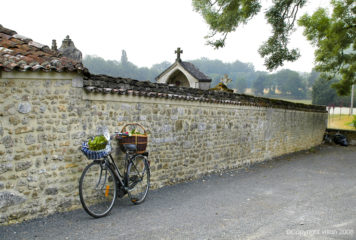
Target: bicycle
x=101 y=182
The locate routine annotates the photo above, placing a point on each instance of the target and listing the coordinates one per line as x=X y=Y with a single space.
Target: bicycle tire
x=97 y=189
x=138 y=179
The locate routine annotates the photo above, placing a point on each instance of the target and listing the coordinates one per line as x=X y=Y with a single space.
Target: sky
x=148 y=30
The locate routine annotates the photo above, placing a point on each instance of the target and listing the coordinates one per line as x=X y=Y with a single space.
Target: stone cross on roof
x=178 y=52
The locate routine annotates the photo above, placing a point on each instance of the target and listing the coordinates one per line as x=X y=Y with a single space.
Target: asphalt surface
x=307 y=195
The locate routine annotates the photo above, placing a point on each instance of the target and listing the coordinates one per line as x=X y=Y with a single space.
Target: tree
x=124 y=59
x=334 y=35
x=324 y=94
x=241 y=84
x=160 y=67
x=335 y=39
x=224 y=16
x=259 y=84
x=313 y=76
x=289 y=83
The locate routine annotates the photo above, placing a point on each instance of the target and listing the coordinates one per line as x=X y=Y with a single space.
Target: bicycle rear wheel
x=138 y=177
x=97 y=189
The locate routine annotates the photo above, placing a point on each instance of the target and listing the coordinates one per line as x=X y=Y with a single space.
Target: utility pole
x=352 y=100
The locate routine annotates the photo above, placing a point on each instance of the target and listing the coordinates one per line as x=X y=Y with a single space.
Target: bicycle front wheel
x=138 y=178
x=97 y=189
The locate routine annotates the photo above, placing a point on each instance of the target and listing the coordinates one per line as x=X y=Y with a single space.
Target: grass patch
x=305 y=101
x=342 y=121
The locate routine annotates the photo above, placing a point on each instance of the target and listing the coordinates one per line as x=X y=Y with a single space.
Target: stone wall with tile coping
x=45 y=117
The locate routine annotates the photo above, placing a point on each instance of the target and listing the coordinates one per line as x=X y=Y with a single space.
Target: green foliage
x=98 y=143
x=260 y=84
x=335 y=38
x=354 y=121
x=241 y=84
x=242 y=74
x=324 y=94
x=281 y=16
x=213 y=68
x=313 y=76
x=224 y=16
x=235 y=70
x=124 y=68
x=135 y=132
x=333 y=35
x=289 y=83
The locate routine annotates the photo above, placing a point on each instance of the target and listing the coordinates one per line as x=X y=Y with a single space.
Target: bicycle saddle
x=130 y=147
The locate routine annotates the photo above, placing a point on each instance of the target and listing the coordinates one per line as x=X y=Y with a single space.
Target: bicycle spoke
x=138 y=179
x=97 y=190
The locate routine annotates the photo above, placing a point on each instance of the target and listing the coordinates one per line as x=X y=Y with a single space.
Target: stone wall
x=46 y=116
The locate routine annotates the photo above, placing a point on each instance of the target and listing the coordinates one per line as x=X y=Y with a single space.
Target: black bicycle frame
x=119 y=176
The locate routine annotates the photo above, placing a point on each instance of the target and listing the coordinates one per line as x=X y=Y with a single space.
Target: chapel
x=184 y=74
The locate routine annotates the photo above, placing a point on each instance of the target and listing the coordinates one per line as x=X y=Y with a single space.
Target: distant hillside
x=237 y=71
x=285 y=84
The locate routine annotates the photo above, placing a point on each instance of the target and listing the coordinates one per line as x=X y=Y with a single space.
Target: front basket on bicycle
x=93 y=155
x=140 y=140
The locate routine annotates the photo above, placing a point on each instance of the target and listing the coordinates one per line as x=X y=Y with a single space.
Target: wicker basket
x=140 y=140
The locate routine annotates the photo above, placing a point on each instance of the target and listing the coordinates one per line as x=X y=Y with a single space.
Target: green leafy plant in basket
x=97 y=143
x=134 y=131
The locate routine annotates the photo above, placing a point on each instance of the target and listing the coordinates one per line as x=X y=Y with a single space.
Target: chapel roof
x=195 y=71
x=189 y=67
x=23 y=54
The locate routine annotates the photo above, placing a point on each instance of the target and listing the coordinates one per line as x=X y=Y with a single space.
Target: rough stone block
x=179 y=125
x=23 y=165
x=7 y=141
x=51 y=191
x=30 y=139
x=14 y=120
x=20 y=130
x=10 y=198
x=24 y=107
x=5 y=167
x=77 y=82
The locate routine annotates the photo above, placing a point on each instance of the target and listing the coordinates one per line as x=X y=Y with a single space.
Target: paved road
x=308 y=195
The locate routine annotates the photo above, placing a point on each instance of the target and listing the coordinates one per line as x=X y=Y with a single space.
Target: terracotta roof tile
x=20 y=53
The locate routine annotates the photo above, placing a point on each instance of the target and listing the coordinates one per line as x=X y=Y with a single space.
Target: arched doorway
x=179 y=79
